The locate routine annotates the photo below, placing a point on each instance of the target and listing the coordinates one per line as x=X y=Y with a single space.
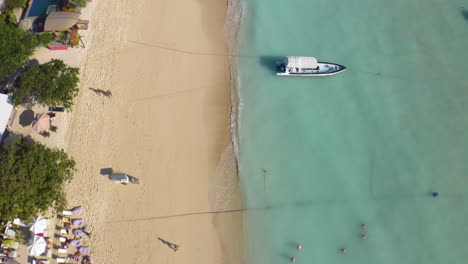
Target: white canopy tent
x=40 y=224
x=38 y=246
x=5 y=112
x=302 y=62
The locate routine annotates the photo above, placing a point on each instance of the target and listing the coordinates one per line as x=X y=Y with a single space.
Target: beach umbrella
x=77 y=210
x=41 y=123
x=78 y=232
x=77 y=222
x=40 y=224
x=84 y=250
x=75 y=243
x=38 y=246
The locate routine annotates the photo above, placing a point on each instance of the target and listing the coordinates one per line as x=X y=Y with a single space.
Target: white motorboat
x=307 y=66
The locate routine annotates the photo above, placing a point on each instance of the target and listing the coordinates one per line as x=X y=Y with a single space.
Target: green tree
x=16 y=3
x=52 y=83
x=32 y=178
x=16 y=45
x=78 y=3
x=8 y=16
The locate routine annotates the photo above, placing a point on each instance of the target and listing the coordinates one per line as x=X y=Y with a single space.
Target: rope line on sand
x=178 y=215
x=184 y=51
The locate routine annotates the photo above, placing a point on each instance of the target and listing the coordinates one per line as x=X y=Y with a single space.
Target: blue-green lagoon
x=319 y=156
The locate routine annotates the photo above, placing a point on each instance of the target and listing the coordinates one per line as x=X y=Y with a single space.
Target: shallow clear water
x=322 y=155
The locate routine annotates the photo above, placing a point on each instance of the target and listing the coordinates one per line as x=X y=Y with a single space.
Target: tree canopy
x=53 y=83
x=16 y=47
x=32 y=178
x=16 y=3
x=78 y=3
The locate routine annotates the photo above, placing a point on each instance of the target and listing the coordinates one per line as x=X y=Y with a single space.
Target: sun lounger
x=65 y=212
x=61 y=260
x=39 y=261
x=63 y=232
x=57 y=109
x=62 y=239
x=63 y=250
x=10 y=232
x=65 y=219
x=82 y=26
x=13 y=245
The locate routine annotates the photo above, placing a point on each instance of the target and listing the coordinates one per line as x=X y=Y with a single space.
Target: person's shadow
x=169 y=244
x=95 y=90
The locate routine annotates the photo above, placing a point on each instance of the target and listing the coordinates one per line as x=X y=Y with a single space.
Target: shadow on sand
x=26 y=118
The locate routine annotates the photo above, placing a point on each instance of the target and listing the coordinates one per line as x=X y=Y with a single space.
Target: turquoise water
x=320 y=156
x=39 y=7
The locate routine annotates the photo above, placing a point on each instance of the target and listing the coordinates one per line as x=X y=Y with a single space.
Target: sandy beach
x=167 y=124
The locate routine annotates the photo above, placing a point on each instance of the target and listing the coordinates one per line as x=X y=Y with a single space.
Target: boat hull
x=324 y=69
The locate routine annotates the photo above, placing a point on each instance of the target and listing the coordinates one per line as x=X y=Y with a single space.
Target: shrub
x=45 y=38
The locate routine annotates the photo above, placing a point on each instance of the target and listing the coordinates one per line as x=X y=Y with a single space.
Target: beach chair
x=14 y=245
x=63 y=231
x=65 y=219
x=61 y=260
x=57 y=109
x=62 y=250
x=66 y=212
x=40 y=261
x=82 y=26
x=10 y=232
x=13 y=254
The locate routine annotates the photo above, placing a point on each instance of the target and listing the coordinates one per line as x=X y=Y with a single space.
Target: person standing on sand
x=170 y=245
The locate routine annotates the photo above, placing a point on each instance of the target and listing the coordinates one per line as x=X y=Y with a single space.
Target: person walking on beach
x=107 y=93
x=170 y=245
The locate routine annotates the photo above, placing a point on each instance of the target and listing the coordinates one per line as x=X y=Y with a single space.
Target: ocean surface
x=319 y=156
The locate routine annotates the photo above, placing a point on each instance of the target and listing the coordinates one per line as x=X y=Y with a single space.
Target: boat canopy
x=302 y=62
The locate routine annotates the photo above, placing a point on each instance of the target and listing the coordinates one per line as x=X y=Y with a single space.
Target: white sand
x=166 y=124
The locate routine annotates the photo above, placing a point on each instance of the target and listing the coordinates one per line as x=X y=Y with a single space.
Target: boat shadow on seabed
x=270 y=62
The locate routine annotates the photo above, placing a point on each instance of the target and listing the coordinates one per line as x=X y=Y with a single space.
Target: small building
x=6 y=109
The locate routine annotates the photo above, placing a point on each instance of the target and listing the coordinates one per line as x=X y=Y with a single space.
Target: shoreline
x=93 y=130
